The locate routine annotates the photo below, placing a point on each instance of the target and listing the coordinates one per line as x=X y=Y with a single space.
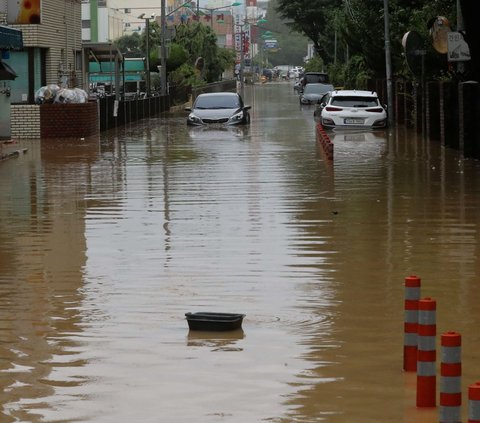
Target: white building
x=102 y=21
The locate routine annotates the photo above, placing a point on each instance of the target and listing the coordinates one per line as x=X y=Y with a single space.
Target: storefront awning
x=103 y=52
x=10 y=38
x=105 y=55
x=6 y=72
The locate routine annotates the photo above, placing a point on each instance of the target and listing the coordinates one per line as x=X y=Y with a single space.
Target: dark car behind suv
x=314 y=78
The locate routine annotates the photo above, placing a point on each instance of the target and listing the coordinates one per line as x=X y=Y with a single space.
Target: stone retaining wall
x=69 y=120
x=32 y=121
x=25 y=121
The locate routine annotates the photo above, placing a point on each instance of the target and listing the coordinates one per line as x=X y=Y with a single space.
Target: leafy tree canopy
x=311 y=18
x=191 y=41
x=199 y=40
x=131 y=42
x=341 y=30
x=292 y=45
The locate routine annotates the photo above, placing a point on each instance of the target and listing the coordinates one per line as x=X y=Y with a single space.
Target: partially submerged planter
x=216 y=322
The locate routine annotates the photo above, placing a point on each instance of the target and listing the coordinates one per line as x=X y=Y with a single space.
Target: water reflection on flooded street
x=106 y=243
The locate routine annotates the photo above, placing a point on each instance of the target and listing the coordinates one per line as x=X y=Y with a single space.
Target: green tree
x=313 y=19
x=192 y=40
x=292 y=45
x=154 y=35
x=347 y=29
x=131 y=42
x=200 y=41
x=177 y=57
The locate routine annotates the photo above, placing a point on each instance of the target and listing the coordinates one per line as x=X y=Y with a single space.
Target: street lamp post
x=147 y=47
x=147 y=55
x=242 y=59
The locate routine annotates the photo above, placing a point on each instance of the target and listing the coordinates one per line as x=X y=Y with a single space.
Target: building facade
x=101 y=22
x=107 y=20
x=51 y=54
x=10 y=40
x=52 y=49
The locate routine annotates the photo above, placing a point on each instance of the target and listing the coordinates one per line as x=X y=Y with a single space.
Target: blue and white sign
x=271 y=44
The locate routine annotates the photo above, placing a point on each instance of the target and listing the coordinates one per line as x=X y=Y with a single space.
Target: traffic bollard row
x=419 y=354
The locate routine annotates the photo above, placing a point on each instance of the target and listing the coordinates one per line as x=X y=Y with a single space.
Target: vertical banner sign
x=238 y=39
x=246 y=46
x=23 y=12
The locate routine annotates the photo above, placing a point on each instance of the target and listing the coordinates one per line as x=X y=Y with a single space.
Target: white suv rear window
x=354 y=101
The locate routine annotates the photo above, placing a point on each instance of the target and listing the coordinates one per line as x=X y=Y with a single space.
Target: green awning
x=10 y=38
x=128 y=64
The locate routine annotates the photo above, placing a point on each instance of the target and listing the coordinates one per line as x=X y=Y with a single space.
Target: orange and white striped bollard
x=426 y=354
x=474 y=403
x=410 y=326
x=450 y=378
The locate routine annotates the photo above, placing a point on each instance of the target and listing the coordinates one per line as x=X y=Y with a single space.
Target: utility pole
x=388 y=64
x=242 y=58
x=163 y=50
x=147 y=58
x=460 y=28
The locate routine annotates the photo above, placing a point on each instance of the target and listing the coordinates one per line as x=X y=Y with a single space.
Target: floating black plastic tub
x=214 y=321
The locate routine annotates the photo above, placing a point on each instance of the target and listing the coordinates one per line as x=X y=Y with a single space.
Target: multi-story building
x=51 y=51
x=52 y=45
x=103 y=21
x=107 y=20
x=10 y=39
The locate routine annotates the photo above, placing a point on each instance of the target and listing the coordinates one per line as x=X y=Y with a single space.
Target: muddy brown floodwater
x=106 y=243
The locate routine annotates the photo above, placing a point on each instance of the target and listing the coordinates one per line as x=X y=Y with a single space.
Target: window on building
x=78 y=60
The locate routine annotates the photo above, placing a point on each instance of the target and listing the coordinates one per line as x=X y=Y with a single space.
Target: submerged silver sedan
x=223 y=108
x=313 y=92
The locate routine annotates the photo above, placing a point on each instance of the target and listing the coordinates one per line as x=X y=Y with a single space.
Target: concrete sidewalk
x=10 y=149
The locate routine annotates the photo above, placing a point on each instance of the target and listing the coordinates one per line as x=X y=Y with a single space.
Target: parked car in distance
x=268 y=74
x=351 y=109
x=295 y=72
x=312 y=93
x=298 y=85
x=218 y=108
x=282 y=71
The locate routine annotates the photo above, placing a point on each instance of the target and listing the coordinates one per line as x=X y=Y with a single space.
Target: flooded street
x=106 y=243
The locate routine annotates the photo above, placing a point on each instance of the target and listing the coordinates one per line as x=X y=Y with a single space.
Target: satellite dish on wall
x=414 y=47
x=439 y=28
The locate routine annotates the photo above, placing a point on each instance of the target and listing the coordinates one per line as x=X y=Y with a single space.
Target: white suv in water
x=352 y=109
